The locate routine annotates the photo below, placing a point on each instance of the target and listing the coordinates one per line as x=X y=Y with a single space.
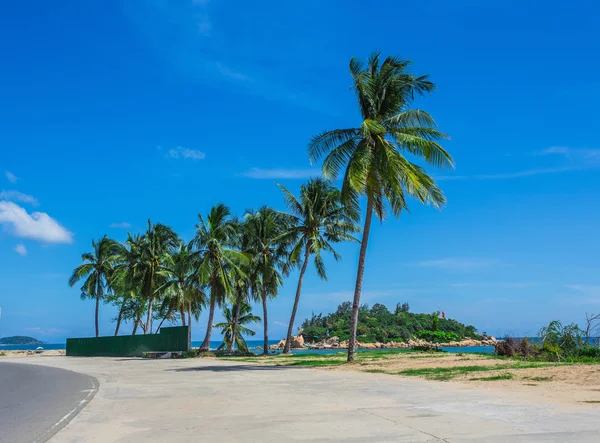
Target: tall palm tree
x=236 y=335
x=182 y=287
x=268 y=253
x=373 y=154
x=127 y=281
x=143 y=262
x=216 y=262
x=97 y=268
x=318 y=217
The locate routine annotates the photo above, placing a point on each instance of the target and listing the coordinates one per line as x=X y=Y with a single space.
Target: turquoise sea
x=251 y=344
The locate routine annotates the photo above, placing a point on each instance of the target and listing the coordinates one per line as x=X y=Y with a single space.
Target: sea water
x=252 y=344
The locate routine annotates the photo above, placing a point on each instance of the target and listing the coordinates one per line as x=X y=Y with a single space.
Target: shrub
x=437 y=336
x=589 y=351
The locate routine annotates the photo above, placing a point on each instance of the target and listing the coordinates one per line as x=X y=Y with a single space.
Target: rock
x=297 y=342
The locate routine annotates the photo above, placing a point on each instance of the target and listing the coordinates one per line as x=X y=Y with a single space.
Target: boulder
x=297 y=342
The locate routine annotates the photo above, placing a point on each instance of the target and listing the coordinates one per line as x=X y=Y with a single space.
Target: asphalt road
x=37 y=401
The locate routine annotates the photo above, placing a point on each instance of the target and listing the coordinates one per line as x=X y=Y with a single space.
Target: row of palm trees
x=229 y=261
x=239 y=260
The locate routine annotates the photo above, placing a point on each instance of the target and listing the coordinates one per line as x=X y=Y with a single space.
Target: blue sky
x=114 y=112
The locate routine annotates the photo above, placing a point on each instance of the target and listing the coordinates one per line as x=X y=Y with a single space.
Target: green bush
x=589 y=351
x=437 y=336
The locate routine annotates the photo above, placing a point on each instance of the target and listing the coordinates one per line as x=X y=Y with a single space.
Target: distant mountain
x=20 y=340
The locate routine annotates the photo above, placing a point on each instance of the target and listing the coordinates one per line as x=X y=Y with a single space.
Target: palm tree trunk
x=236 y=318
x=149 y=318
x=98 y=294
x=97 y=309
x=189 y=325
x=359 y=280
x=119 y=318
x=182 y=312
x=266 y=325
x=288 y=337
x=206 y=343
x=137 y=323
x=162 y=321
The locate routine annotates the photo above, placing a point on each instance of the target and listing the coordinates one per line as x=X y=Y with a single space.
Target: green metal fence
x=168 y=340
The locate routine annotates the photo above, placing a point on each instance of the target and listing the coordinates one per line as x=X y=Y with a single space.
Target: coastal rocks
x=330 y=343
x=297 y=343
x=334 y=342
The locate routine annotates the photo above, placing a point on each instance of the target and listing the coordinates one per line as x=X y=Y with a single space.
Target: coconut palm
x=216 y=262
x=231 y=334
x=265 y=229
x=318 y=218
x=97 y=268
x=143 y=262
x=373 y=154
x=183 y=291
x=127 y=282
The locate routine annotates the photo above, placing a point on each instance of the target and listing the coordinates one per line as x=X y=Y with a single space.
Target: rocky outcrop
x=334 y=343
x=297 y=343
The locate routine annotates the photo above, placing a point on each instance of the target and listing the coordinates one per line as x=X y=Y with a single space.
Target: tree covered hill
x=378 y=324
x=20 y=340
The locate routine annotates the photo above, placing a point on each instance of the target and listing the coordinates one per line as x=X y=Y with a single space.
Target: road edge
x=64 y=421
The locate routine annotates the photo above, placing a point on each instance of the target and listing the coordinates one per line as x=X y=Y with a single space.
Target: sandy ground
x=567 y=384
x=31 y=353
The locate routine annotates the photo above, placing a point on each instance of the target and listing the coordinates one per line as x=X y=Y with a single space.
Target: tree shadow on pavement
x=232 y=368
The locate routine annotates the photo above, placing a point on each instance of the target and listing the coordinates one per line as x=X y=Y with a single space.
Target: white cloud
x=185 y=153
x=21 y=249
x=11 y=177
x=574 y=159
x=231 y=74
x=18 y=196
x=459 y=264
x=581 y=156
x=555 y=150
x=281 y=173
x=280 y=323
x=122 y=225
x=36 y=226
x=508 y=175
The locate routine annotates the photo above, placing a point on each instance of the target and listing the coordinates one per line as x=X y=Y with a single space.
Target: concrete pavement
x=214 y=401
x=35 y=401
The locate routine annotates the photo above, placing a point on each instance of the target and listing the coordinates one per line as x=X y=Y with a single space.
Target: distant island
x=20 y=340
x=378 y=324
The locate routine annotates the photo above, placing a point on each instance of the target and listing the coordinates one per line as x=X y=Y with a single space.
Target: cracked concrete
x=215 y=401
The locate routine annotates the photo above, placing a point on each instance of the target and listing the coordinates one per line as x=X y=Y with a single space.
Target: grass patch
x=538 y=378
x=376 y=371
x=591 y=401
x=428 y=356
x=507 y=376
x=452 y=372
x=313 y=363
x=2 y=354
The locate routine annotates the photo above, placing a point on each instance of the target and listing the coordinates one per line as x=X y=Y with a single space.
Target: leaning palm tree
x=97 y=268
x=268 y=253
x=373 y=154
x=216 y=262
x=236 y=335
x=318 y=218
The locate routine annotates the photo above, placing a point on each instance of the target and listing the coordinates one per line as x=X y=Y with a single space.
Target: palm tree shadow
x=231 y=368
